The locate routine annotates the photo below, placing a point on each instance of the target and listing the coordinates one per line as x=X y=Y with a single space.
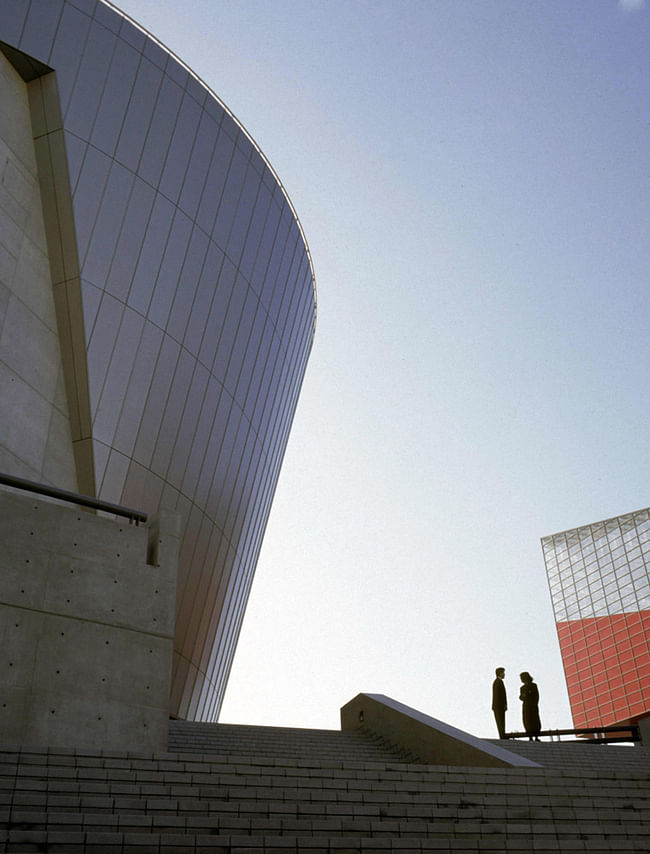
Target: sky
x=472 y=179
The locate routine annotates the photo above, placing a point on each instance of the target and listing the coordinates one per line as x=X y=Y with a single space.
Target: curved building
x=157 y=304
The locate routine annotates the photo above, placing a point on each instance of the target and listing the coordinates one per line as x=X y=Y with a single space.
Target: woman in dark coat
x=529 y=696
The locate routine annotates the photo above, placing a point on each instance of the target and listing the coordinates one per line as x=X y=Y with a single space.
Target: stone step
x=42 y=784
x=429 y=821
x=316 y=791
x=191 y=769
x=580 y=755
x=238 y=739
x=460 y=838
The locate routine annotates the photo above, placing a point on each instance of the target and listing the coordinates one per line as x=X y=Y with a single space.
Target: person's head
x=525 y=677
x=500 y=672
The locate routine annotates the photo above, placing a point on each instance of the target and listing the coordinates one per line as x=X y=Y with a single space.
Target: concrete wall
x=86 y=626
x=35 y=441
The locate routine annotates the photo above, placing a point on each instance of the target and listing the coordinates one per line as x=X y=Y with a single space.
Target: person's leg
x=500 y=718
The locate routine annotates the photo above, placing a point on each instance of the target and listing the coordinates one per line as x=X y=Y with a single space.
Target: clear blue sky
x=472 y=177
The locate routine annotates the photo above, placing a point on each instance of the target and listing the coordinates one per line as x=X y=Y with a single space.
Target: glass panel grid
x=604 y=624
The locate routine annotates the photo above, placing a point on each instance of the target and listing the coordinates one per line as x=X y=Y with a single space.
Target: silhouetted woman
x=529 y=696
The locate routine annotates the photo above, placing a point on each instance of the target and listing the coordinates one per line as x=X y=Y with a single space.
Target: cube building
x=599 y=578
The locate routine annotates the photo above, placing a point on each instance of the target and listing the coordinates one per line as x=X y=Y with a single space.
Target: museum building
x=157 y=304
x=599 y=578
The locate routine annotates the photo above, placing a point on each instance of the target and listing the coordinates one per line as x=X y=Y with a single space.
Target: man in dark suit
x=499 y=701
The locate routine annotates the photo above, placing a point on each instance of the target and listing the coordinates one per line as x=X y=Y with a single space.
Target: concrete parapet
x=86 y=626
x=433 y=741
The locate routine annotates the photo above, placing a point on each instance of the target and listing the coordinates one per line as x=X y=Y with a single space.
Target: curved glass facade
x=185 y=303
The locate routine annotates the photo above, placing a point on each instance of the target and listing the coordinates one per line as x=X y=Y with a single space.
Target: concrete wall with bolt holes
x=86 y=626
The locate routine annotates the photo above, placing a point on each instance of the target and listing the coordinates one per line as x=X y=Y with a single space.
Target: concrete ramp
x=433 y=741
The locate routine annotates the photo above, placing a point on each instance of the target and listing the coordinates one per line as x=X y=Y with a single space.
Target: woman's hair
x=525 y=676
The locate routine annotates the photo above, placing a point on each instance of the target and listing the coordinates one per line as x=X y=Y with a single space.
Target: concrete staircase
x=287 y=742
x=262 y=790
x=582 y=756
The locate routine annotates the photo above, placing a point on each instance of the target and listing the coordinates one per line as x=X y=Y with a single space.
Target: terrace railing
x=134 y=516
x=599 y=735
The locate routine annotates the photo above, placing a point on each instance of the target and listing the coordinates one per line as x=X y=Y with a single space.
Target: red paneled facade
x=607 y=667
x=599 y=578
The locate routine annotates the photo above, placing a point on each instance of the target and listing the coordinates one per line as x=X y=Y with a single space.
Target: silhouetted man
x=499 y=701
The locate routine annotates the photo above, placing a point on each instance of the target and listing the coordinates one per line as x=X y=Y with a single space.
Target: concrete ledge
x=434 y=741
x=86 y=626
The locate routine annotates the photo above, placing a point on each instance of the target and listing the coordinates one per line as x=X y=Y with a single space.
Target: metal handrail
x=132 y=515
x=631 y=733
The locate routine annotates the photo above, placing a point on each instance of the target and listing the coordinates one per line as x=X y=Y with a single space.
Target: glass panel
x=244 y=215
x=257 y=382
x=249 y=381
x=91 y=298
x=87 y=195
x=214 y=182
x=221 y=292
x=171 y=418
x=156 y=400
x=128 y=247
x=108 y=225
x=90 y=81
x=152 y=251
x=168 y=277
x=106 y=16
x=66 y=56
x=267 y=245
x=228 y=331
x=138 y=387
x=224 y=480
x=200 y=315
x=132 y=35
x=188 y=424
x=198 y=92
x=121 y=364
x=100 y=346
x=242 y=342
x=221 y=440
x=155 y=53
x=201 y=437
x=138 y=117
x=114 y=477
x=86 y=6
x=176 y=71
x=255 y=232
x=39 y=29
x=187 y=285
x=12 y=19
x=180 y=149
x=115 y=97
x=274 y=262
x=75 y=150
x=160 y=132
x=198 y=165
x=229 y=199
